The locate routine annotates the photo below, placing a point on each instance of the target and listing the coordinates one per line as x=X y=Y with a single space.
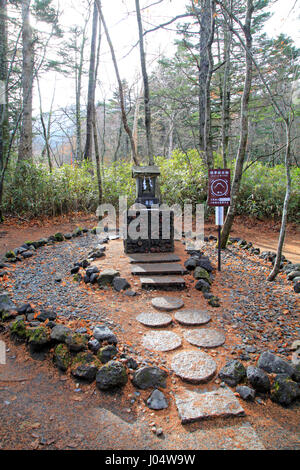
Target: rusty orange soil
x=124 y=310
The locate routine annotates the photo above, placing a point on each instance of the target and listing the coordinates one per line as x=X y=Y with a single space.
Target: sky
x=121 y=20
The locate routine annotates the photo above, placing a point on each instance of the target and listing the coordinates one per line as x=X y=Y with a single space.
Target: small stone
x=258 y=379
x=157 y=401
x=246 y=393
x=59 y=333
x=103 y=333
x=148 y=377
x=284 y=390
x=274 y=364
x=233 y=373
x=111 y=375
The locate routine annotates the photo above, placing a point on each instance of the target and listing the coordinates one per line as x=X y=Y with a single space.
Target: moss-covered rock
x=214 y=302
x=85 y=367
x=107 y=276
x=18 y=330
x=6 y=307
x=284 y=390
x=111 y=375
x=148 y=377
x=233 y=373
x=62 y=357
x=76 y=342
x=10 y=255
x=201 y=273
x=59 y=237
x=107 y=353
x=77 y=277
x=39 y=337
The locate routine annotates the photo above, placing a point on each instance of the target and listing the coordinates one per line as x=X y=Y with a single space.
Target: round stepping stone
x=205 y=338
x=192 y=317
x=154 y=320
x=194 y=366
x=162 y=341
x=167 y=303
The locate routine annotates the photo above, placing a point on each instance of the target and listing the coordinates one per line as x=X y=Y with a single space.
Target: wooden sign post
x=219 y=191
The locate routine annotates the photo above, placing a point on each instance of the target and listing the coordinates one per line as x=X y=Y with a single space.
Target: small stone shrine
x=154 y=226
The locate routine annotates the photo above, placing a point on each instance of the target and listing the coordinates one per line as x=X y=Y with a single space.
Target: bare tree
x=150 y=151
x=25 y=144
x=121 y=93
x=91 y=89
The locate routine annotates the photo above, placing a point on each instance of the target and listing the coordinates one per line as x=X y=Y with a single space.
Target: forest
x=227 y=96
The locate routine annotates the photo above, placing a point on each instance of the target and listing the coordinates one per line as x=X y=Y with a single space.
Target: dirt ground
x=30 y=420
x=264 y=234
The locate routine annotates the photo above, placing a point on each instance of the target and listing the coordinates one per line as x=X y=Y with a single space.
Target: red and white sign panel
x=219 y=189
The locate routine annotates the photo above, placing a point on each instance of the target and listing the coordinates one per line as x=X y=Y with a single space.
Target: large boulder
x=148 y=377
x=274 y=364
x=284 y=390
x=232 y=373
x=258 y=379
x=111 y=375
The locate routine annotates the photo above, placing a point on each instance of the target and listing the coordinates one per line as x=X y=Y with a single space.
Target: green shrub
x=33 y=191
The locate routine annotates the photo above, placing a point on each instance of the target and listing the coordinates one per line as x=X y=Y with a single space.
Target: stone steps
x=152 y=269
x=163 y=282
x=149 y=258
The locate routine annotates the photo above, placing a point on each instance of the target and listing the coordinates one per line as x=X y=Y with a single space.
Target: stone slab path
x=162 y=341
x=167 y=303
x=192 y=317
x=194 y=406
x=205 y=338
x=194 y=366
x=155 y=320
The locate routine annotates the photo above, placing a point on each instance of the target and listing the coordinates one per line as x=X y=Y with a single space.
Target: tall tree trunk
x=150 y=151
x=136 y=118
x=4 y=120
x=91 y=90
x=121 y=92
x=226 y=88
x=25 y=144
x=277 y=263
x=204 y=19
x=45 y=132
x=243 y=128
x=207 y=125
